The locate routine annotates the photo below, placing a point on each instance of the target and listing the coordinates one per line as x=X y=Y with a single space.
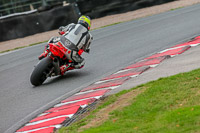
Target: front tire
x=39 y=74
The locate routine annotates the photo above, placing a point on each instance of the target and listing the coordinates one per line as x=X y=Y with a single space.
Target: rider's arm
x=64 y=29
x=54 y=40
x=86 y=47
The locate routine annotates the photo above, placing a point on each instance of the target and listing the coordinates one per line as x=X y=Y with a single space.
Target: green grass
x=168 y=105
x=176 y=8
x=111 y=24
x=104 y=103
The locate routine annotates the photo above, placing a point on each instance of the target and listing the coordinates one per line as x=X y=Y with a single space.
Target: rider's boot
x=64 y=68
x=79 y=65
x=44 y=54
x=71 y=66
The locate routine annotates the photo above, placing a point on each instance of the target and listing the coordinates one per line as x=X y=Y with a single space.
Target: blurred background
x=8 y=7
x=20 y=18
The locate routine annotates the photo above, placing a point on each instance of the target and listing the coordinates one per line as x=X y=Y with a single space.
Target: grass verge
x=169 y=104
x=22 y=47
x=176 y=8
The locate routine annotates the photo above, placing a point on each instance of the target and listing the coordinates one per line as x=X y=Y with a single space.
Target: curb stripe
x=83 y=102
x=170 y=52
x=130 y=72
x=172 y=48
x=41 y=121
x=148 y=62
x=50 y=128
x=55 y=114
x=102 y=80
x=86 y=95
x=61 y=104
x=110 y=88
x=112 y=83
x=44 y=124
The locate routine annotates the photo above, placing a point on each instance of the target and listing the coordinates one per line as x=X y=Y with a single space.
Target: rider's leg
x=64 y=68
x=79 y=65
x=78 y=61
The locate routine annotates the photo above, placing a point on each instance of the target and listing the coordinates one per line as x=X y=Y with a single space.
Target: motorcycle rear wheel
x=41 y=71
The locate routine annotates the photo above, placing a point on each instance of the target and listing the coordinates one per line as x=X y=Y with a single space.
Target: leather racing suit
x=76 y=37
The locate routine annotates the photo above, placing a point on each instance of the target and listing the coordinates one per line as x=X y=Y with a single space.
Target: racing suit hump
x=79 y=36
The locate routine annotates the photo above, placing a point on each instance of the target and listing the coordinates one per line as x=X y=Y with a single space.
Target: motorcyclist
x=75 y=37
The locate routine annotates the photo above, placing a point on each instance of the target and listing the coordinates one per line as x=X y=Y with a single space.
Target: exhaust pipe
x=56 y=66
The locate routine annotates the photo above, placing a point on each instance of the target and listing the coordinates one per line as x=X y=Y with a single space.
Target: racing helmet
x=85 y=21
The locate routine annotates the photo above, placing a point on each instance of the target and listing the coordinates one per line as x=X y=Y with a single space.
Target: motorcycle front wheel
x=41 y=71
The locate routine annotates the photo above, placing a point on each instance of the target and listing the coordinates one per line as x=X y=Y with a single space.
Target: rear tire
x=39 y=74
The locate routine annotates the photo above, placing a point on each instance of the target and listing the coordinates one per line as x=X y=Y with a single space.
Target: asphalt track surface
x=113 y=48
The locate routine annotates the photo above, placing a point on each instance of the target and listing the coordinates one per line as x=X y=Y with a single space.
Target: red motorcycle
x=50 y=65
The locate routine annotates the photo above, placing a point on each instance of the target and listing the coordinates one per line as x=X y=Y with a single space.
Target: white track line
x=155 y=65
x=43 y=114
x=112 y=87
x=170 y=49
x=45 y=120
x=102 y=81
x=193 y=45
x=61 y=104
x=133 y=76
x=56 y=126
x=120 y=71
